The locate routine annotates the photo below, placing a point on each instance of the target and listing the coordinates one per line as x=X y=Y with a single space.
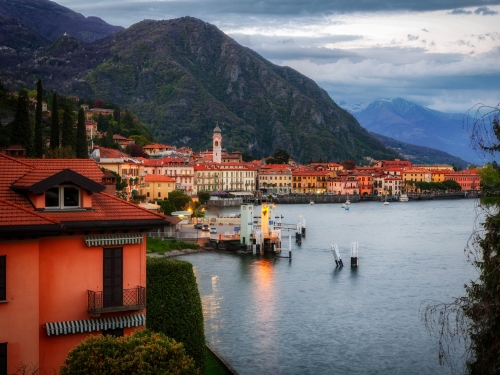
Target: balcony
x=116 y=300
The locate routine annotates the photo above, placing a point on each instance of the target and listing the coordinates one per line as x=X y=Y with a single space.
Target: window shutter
x=3 y=277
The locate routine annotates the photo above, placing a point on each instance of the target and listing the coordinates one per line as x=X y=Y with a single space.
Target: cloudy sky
x=444 y=54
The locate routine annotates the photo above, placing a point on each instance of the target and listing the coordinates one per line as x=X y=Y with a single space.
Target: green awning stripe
x=91 y=325
x=113 y=239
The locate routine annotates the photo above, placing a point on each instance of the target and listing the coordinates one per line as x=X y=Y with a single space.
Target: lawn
x=156 y=245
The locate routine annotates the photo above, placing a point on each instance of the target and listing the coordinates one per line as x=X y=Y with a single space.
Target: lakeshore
x=266 y=315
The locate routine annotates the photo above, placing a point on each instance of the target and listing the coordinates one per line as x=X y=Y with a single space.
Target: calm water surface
x=269 y=316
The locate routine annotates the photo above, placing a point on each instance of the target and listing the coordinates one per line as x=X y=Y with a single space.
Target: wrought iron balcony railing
x=116 y=300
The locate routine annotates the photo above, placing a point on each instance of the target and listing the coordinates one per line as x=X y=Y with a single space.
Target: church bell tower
x=217 y=145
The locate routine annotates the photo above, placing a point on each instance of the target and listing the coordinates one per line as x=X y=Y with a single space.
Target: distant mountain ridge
x=421 y=154
x=414 y=124
x=182 y=76
x=52 y=20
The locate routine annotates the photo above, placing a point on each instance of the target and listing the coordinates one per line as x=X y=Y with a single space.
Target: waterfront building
x=310 y=181
x=416 y=174
x=180 y=170
x=274 y=179
x=207 y=177
x=435 y=167
x=158 y=186
x=469 y=179
x=72 y=260
x=237 y=177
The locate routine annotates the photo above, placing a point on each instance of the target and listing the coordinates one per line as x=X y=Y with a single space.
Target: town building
x=72 y=260
x=468 y=179
x=178 y=169
x=158 y=186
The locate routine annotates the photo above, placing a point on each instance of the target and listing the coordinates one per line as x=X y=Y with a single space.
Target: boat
x=385 y=202
x=346 y=208
x=348 y=202
x=403 y=198
x=311 y=203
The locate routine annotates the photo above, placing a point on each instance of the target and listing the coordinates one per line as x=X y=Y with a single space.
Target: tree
x=38 y=143
x=22 y=130
x=280 y=156
x=141 y=353
x=473 y=320
x=203 y=196
x=452 y=185
x=54 y=125
x=81 y=137
x=140 y=140
x=98 y=103
x=61 y=153
x=67 y=136
x=348 y=165
x=178 y=199
x=137 y=151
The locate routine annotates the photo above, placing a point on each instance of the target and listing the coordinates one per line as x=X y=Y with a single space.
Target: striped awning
x=91 y=325
x=113 y=239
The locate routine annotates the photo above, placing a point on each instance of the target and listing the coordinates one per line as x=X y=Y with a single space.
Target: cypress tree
x=81 y=137
x=38 y=122
x=67 y=137
x=54 y=126
x=22 y=131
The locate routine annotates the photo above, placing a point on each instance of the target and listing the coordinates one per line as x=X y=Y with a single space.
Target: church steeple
x=217 y=145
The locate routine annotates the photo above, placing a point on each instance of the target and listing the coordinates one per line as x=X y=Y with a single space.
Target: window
x=3 y=358
x=3 y=277
x=147 y=194
x=159 y=195
x=64 y=196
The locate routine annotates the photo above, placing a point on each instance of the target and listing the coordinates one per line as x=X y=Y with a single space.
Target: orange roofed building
x=72 y=260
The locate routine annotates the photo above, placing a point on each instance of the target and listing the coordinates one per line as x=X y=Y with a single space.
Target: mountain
x=421 y=154
x=52 y=20
x=182 y=76
x=411 y=123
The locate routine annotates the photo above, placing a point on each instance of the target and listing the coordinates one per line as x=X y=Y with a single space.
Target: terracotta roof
x=12 y=214
x=112 y=153
x=16 y=209
x=158 y=178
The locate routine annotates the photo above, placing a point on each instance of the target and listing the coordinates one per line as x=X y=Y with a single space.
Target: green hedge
x=140 y=353
x=174 y=305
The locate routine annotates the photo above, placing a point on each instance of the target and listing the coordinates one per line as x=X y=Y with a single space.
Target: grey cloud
x=126 y=12
x=412 y=38
x=425 y=30
x=460 y=11
x=467 y=43
x=485 y=11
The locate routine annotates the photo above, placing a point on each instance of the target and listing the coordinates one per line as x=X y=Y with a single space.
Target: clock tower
x=217 y=145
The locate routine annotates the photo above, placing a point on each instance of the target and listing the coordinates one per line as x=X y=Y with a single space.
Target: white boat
x=311 y=203
x=348 y=202
x=403 y=198
x=385 y=202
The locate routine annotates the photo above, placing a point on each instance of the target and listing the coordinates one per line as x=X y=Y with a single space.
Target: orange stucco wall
x=68 y=269
x=19 y=316
x=47 y=281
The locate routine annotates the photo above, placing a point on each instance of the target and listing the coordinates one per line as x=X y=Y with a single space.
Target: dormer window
x=62 y=197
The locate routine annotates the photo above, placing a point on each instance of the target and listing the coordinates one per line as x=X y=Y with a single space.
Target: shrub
x=173 y=304
x=142 y=352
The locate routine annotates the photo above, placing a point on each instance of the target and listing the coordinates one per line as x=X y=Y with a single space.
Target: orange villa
x=72 y=260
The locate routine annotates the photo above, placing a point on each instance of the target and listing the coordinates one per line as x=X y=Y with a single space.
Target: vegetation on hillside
x=182 y=76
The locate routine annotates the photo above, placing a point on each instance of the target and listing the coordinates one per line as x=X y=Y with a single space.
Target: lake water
x=303 y=316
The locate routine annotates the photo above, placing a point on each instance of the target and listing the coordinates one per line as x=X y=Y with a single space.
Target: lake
x=304 y=316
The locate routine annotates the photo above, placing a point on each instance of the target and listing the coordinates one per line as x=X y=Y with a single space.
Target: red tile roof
x=17 y=210
x=158 y=178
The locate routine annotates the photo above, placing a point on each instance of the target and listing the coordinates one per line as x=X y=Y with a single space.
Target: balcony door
x=113 y=277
